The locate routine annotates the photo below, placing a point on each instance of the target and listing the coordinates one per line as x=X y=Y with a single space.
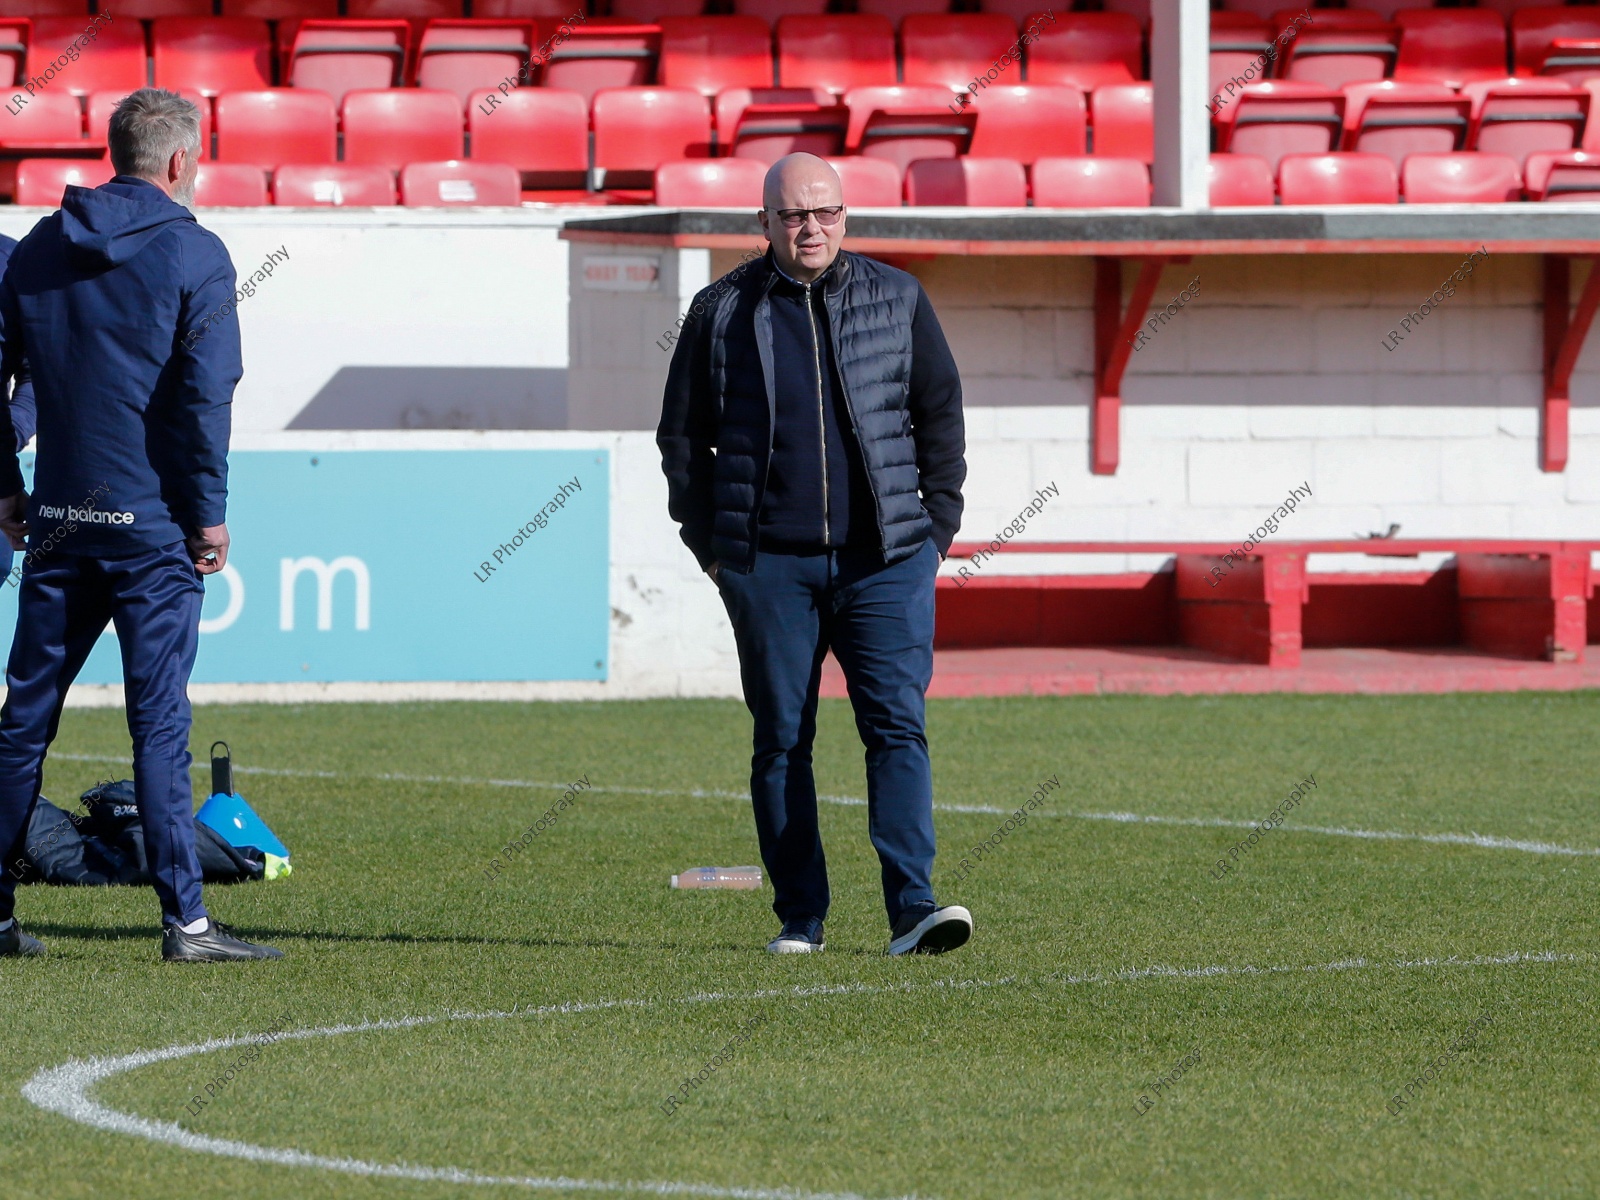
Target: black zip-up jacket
x=901 y=392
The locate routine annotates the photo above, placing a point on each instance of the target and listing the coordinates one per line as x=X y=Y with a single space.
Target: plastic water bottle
x=719 y=877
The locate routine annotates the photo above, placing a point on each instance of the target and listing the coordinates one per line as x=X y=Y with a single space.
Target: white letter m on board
x=290 y=569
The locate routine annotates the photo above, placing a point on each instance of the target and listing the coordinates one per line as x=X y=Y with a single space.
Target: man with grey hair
x=812 y=438
x=130 y=487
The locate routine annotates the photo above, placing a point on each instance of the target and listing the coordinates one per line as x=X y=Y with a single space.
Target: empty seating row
x=426 y=184
x=214 y=54
x=1420 y=45
x=1058 y=182
x=1361 y=178
x=1512 y=116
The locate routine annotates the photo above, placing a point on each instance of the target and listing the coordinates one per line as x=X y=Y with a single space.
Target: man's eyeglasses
x=793 y=218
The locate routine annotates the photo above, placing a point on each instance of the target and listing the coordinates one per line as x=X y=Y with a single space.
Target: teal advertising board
x=370 y=565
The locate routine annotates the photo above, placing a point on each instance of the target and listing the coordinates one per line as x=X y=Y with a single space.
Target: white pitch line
x=64 y=1089
x=1482 y=841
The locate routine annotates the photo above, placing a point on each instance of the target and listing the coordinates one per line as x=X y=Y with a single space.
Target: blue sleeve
x=11 y=367
x=209 y=365
x=24 y=411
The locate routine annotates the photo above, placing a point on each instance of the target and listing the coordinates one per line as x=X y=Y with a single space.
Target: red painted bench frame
x=1520 y=599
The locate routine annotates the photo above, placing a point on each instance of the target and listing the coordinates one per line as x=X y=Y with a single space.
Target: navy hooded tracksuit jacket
x=101 y=300
x=22 y=408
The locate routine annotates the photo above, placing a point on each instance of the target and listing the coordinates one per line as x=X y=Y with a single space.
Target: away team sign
x=358 y=565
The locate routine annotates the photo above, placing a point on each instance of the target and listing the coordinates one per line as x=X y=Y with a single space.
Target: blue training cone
x=235 y=821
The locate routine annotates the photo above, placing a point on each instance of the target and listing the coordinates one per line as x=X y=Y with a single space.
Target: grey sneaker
x=13 y=942
x=930 y=930
x=801 y=935
x=215 y=943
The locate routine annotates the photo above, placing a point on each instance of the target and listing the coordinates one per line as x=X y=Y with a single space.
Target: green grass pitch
x=1305 y=988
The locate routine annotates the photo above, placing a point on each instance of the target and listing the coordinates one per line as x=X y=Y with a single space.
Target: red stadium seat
x=1506 y=8
x=465 y=56
x=1029 y=121
x=1087 y=50
x=557 y=10
x=836 y=52
x=1357 y=46
x=542 y=132
x=864 y=101
x=393 y=126
x=116 y=61
x=1389 y=10
x=710 y=183
x=342 y=56
x=145 y=10
x=600 y=55
x=657 y=10
x=44 y=180
x=955 y=49
x=1398 y=119
x=1575 y=60
x=773 y=11
x=731 y=103
x=1240 y=179
x=1238 y=40
x=1569 y=177
x=1278 y=118
x=1122 y=116
x=1020 y=11
x=868 y=182
x=1450 y=45
x=1265 y=9
x=277 y=125
x=1089 y=182
x=103 y=104
x=1534 y=30
x=1338 y=179
x=971 y=182
x=282 y=10
x=49 y=116
x=767 y=132
x=898 y=10
x=1460 y=179
x=418 y=12
x=14 y=37
x=335 y=184
x=1519 y=116
x=211 y=54
x=75 y=9
x=714 y=53
x=638 y=129
x=454 y=183
x=230 y=185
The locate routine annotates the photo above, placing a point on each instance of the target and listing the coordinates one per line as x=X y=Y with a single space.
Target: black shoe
x=214 y=943
x=13 y=942
x=801 y=935
x=930 y=930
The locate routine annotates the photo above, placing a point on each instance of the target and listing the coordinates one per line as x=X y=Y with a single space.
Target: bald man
x=812 y=438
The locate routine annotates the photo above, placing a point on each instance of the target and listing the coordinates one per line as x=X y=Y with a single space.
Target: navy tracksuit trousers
x=153 y=599
x=878 y=620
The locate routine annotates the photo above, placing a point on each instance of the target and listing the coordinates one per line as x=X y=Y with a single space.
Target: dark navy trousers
x=878 y=620
x=153 y=599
